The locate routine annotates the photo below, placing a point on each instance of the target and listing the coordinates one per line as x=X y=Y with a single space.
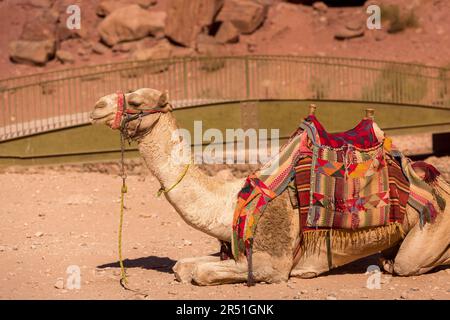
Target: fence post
x=185 y=78
x=247 y=77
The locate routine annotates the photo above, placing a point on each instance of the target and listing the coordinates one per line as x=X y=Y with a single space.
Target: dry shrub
x=398 y=21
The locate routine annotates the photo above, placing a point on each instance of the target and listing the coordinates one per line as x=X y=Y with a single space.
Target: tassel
x=428 y=214
x=250 y=278
x=421 y=220
x=439 y=199
x=431 y=173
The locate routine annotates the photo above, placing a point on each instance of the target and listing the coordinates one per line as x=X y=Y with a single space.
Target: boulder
x=227 y=33
x=83 y=52
x=33 y=52
x=251 y=47
x=354 y=27
x=208 y=46
x=320 y=6
x=65 y=56
x=104 y=8
x=59 y=284
x=354 y=24
x=41 y=28
x=99 y=48
x=145 y=3
x=159 y=51
x=246 y=15
x=131 y=23
x=379 y=35
x=63 y=33
x=41 y=4
x=183 y=52
x=188 y=18
x=123 y=47
x=345 y=33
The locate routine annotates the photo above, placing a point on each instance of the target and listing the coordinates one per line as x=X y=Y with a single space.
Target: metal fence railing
x=57 y=99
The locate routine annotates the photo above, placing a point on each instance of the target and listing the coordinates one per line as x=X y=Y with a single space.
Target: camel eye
x=135 y=100
x=133 y=103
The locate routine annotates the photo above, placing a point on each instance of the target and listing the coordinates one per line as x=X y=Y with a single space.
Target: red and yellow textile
x=349 y=180
x=350 y=188
x=397 y=197
x=261 y=187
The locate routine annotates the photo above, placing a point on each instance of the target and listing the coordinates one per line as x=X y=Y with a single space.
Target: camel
x=206 y=203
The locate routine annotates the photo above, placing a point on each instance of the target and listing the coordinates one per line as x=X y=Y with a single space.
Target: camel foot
x=231 y=271
x=222 y=272
x=184 y=268
x=387 y=265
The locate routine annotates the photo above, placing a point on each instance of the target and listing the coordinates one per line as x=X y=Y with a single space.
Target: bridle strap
x=120 y=110
x=125 y=115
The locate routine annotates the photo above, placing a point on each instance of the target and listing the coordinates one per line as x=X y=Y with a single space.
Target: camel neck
x=202 y=201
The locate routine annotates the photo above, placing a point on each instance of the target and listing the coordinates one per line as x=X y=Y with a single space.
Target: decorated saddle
x=346 y=184
x=350 y=180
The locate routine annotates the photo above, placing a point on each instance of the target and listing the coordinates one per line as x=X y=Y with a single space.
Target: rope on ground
x=123 y=274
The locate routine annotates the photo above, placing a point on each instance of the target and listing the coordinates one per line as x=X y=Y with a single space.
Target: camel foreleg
x=265 y=268
x=184 y=268
x=424 y=248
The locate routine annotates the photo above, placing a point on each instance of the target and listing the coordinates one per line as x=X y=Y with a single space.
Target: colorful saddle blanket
x=353 y=179
x=353 y=214
x=349 y=177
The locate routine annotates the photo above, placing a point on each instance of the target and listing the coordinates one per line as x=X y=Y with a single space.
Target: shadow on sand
x=165 y=264
x=360 y=266
x=161 y=264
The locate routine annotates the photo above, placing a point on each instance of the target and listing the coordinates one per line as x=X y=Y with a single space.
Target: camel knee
x=270 y=269
x=405 y=269
x=410 y=267
x=400 y=270
x=272 y=277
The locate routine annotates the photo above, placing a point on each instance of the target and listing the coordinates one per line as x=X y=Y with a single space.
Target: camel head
x=108 y=111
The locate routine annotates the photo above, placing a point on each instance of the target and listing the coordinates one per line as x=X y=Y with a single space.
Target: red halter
x=125 y=115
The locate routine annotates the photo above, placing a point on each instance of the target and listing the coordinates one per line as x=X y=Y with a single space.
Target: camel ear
x=167 y=108
x=163 y=99
x=135 y=99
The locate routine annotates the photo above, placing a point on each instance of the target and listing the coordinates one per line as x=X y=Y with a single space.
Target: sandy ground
x=53 y=219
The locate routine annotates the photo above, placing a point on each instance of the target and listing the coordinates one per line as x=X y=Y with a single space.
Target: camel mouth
x=95 y=119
